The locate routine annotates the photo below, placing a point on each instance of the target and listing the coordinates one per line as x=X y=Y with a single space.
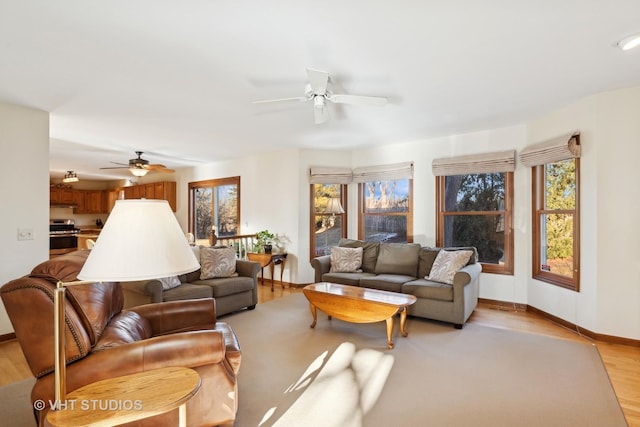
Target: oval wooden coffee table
x=358 y=305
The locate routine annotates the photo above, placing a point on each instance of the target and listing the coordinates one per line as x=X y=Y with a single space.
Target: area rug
x=343 y=375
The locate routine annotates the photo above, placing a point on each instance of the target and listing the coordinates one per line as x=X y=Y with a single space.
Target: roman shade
x=383 y=172
x=502 y=161
x=553 y=150
x=329 y=175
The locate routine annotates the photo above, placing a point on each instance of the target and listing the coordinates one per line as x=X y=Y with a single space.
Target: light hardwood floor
x=621 y=361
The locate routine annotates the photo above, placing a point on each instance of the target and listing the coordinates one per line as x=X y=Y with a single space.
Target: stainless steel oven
x=63 y=236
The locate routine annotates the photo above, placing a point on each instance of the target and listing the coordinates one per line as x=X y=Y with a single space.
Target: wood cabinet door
x=80 y=199
x=54 y=195
x=66 y=195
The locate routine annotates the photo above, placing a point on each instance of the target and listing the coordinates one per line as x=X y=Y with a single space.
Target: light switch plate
x=26 y=234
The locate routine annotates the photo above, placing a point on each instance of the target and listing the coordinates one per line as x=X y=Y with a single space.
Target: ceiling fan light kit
x=138 y=171
x=317 y=91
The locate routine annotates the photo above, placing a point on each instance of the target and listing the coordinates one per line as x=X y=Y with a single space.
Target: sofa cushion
x=221 y=287
x=447 y=264
x=426 y=257
x=188 y=291
x=398 y=258
x=386 y=282
x=345 y=260
x=217 y=262
x=369 y=252
x=422 y=288
x=352 y=279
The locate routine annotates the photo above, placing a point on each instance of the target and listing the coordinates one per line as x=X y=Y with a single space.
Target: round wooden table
x=128 y=398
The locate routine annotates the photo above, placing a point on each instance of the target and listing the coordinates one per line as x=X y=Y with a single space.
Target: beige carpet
x=343 y=375
x=439 y=376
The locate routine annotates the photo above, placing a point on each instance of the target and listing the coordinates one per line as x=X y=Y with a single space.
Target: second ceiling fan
x=140 y=166
x=317 y=91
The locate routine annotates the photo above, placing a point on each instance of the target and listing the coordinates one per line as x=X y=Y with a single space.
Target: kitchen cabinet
x=164 y=190
x=60 y=195
x=95 y=201
x=90 y=201
x=80 y=199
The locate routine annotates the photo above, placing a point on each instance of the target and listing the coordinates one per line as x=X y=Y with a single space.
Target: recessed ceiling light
x=629 y=42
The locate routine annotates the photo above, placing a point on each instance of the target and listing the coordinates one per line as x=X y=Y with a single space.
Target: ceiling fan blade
x=357 y=99
x=154 y=167
x=318 y=80
x=165 y=170
x=117 y=167
x=269 y=101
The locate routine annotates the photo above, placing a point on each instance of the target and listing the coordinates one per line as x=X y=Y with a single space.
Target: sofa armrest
x=150 y=288
x=467 y=274
x=247 y=268
x=175 y=316
x=321 y=265
x=188 y=349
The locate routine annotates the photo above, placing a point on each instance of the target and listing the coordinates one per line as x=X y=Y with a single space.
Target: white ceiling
x=176 y=79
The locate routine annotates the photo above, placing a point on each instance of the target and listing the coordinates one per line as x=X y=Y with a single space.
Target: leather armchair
x=104 y=341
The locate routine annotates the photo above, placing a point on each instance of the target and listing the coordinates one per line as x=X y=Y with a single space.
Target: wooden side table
x=271 y=259
x=128 y=398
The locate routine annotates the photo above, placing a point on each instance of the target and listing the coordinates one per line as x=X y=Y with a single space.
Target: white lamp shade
x=334 y=206
x=140 y=240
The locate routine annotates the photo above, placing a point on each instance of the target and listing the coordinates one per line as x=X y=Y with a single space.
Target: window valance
x=502 y=161
x=383 y=172
x=329 y=175
x=556 y=149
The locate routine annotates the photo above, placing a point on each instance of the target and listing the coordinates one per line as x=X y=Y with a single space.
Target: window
x=476 y=210
x=556 y=223
x=328 y=225
x=214 y=203
x=386 y=211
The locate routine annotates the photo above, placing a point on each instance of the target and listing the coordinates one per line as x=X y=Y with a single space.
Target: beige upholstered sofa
x=406 y=268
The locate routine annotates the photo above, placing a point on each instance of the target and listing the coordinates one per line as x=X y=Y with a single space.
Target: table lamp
x=140 y=240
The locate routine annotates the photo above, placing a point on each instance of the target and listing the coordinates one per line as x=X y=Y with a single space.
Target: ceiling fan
x=140 y=166
x=318 y=91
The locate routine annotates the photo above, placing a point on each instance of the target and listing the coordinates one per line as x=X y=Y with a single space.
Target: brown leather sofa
x=105 y=341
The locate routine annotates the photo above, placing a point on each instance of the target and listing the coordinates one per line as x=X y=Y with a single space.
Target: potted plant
x=264 y=241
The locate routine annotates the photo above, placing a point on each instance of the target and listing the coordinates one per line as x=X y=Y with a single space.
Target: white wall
x=24 y=147
x=609 y=297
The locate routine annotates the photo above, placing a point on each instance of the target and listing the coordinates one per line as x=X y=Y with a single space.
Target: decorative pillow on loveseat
x=170 y=282
x=447 y=264
x=345 y=260
x=217 y=262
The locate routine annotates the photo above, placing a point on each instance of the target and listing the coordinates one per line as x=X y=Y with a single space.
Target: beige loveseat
x=404 y=267
x=236 y=291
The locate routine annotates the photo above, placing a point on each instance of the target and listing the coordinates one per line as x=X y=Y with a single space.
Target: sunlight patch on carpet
x=339 y=393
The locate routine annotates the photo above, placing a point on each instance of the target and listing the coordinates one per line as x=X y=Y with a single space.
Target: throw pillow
x=447 y=264
x=217 y=262
x=169 y=282
x=345 y=260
